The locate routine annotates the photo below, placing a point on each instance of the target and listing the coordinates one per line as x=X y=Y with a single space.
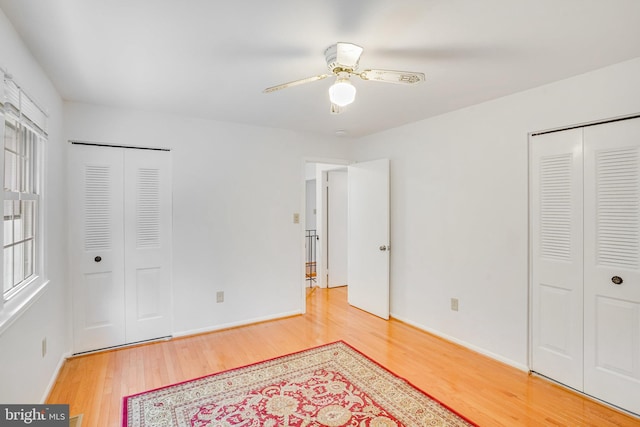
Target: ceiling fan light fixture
x=343 y=62
x=342 y=92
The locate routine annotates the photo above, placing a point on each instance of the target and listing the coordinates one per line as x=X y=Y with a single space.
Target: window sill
x=16 y=306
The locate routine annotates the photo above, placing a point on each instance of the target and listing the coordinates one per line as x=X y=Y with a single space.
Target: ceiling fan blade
x=295 y=83
x=392 y=76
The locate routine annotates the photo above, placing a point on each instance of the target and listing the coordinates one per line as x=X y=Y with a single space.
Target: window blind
x=16 y=101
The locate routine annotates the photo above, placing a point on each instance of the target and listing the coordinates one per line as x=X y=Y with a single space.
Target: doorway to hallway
x=325 y=225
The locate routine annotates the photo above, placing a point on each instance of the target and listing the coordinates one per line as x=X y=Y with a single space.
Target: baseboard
x=54 y=377
x=470 y=346
x=236 y=324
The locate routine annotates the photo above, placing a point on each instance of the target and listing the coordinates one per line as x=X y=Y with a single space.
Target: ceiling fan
x=343 y=62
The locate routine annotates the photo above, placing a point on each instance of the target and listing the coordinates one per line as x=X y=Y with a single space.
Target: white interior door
x=147 y=244
x=612 y=263
x=337 y=219
x=96 y=238
x=368 y=241
x=557 y=258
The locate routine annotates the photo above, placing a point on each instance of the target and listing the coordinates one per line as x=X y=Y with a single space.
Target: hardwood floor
x=482 y=389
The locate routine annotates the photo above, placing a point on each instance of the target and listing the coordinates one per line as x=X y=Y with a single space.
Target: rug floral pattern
x=332 y=385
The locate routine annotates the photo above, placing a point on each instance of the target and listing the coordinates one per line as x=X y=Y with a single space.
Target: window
x=23 y=140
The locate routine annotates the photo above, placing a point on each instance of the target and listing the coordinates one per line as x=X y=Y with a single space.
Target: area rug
x=330 y=385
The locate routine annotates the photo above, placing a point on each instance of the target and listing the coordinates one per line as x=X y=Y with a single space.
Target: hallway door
x=369 y=243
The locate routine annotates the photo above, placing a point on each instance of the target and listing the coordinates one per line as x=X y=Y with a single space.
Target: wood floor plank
x=484 y=390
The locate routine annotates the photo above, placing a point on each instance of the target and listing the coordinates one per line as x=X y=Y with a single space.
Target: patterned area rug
x=331 y=385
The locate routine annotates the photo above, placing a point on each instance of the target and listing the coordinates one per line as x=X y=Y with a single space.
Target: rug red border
x=124 y=399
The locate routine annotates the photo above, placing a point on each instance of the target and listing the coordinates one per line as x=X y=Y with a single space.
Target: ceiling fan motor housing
x=343 y=57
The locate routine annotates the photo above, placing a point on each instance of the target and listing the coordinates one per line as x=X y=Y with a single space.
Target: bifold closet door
x=585 y=219
x=96 y=180
x=147 y=244
x=612 y=263
x=120 y=237
x=557 y=265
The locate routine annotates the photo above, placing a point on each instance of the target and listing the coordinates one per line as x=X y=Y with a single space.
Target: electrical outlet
x=220 y=296
x=44 y=346
x=454 y=304
x=296 y=218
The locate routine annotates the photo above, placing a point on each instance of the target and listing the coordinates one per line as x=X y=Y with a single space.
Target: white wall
x=459 y=197
x=24 y=374
x=225 y=176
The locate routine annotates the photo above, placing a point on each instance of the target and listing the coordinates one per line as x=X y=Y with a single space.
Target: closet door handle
x=98 y=258
x=617 y=280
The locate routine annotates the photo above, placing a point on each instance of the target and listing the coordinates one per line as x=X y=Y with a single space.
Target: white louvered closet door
x=147 y=213
x=585 y=219
x=97 y=241
x=612 y=263
x=120 y=237
x=557 y=290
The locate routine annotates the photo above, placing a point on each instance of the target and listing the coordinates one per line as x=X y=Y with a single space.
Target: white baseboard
x=54 y=377
x=470 y=346
x=236 y=324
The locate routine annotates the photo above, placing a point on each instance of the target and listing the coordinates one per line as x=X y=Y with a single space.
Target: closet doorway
x=585 y=237
x=120 y=245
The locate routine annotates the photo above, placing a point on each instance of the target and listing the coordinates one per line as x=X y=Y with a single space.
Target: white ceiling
x=212 y=59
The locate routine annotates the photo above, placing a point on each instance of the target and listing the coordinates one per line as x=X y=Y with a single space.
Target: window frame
x=16 y=104
x=34 y=176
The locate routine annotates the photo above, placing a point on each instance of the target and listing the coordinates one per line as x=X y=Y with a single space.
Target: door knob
x=98 y=258
x=383 y=248
x=617 y=280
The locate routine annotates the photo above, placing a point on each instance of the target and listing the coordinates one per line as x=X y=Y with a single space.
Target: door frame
x=338 y=162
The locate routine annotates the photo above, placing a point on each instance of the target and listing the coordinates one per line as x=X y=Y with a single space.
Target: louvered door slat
x=617 y=209
x=555 y=206
x=148 y=208
x=97 y=193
